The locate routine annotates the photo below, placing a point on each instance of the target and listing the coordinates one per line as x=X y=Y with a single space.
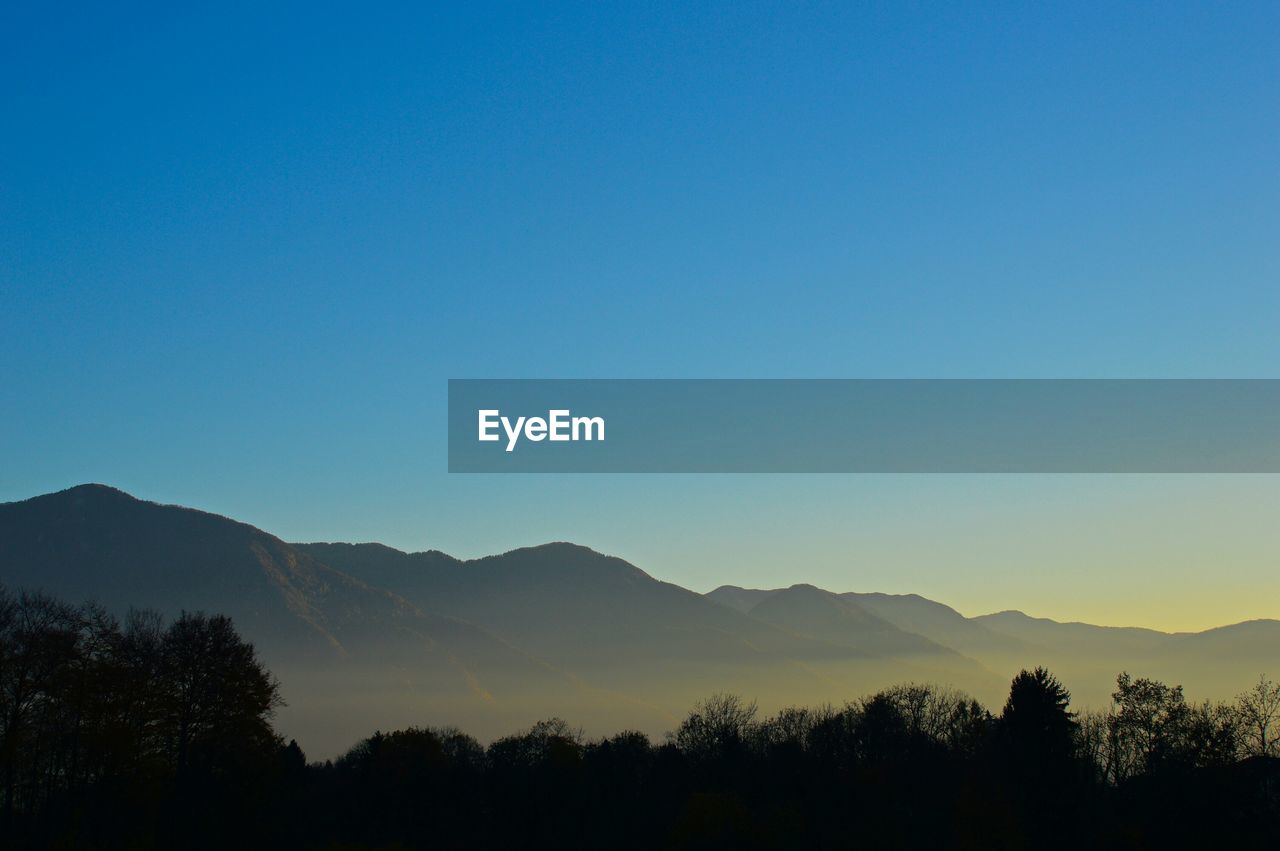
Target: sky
x=243 y=249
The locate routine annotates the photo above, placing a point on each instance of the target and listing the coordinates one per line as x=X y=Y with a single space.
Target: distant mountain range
x=364 y=636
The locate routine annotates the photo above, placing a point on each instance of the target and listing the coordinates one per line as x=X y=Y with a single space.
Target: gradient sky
x=241 y=250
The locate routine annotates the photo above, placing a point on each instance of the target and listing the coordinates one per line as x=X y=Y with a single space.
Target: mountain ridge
x=440 y=557
x=374 y=636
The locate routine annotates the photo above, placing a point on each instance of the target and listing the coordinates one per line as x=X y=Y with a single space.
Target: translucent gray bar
x=870 y=426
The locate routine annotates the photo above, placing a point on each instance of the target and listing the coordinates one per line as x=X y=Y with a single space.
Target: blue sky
x=242 y=250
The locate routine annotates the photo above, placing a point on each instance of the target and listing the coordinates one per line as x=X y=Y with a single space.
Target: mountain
x=363 y=636
x=1217 y=663
x=568 y=601
x=935 y=621
x=940 y=624
x=383 y=566
x=351 y=657
x=820 y=614
x=615 y=625
x=741 y=599
x=1075 y=637
x=96 y=542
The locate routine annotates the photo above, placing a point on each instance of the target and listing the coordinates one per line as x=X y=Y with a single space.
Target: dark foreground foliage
x=142 y=735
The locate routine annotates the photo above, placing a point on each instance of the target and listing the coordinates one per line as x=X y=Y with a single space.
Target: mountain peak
x=570 y=562
x=556 y=548
x=90 y=490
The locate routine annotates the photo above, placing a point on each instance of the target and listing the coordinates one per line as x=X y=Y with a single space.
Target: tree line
x=145 y=734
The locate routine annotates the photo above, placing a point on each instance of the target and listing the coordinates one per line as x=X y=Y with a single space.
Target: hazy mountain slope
x=1080 y=637
x=615 y=625
x=611 y=622
x=1217 y=663
x=912 y=613
x=742 y=599
x=333 y=640
x=820 y=614
x=1256 y=640
x=935 y=621
x=95 y=542
x=99 y=543
x=570 y=601
x=383 y=566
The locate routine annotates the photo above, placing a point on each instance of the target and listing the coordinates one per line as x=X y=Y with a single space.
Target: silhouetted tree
x=1036 y=721
x=944 y=717
x=1153 y=729
x=1259 y=715
x=1037 y=746
x=39 y=643
x=718 y=726
x=96 y=717
x=1092 y=746
x=791 y=730
x=882 y=734
x=220 y=697
x=551 y=740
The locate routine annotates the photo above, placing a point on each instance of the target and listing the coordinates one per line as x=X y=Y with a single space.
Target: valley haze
x=363 y=636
